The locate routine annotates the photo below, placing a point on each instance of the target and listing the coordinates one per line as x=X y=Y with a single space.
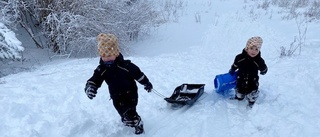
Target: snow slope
x=50 y=101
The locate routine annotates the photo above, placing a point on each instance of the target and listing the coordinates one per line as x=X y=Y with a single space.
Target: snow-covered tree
x=71 y=26
x=10 y=46
x=9 y=12
x=24 y=13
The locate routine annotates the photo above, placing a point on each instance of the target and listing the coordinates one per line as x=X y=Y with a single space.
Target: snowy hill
x=50 y=101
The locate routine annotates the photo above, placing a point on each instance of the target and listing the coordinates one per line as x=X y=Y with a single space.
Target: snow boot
x=250 y=104
x=237 y=98
x=139 y=128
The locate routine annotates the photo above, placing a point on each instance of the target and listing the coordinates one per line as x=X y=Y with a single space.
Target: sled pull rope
x=157 y=93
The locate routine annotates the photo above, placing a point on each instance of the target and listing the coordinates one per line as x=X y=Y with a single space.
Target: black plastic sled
x=186 y=94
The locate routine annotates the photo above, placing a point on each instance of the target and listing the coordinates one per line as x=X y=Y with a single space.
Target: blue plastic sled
x=224 y=83
x=186 y=94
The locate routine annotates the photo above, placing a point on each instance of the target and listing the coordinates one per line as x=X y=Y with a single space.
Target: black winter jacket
x=120 y=77
x=248 y=66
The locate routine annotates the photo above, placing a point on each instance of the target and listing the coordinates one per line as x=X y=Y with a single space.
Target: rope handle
x=157 y=93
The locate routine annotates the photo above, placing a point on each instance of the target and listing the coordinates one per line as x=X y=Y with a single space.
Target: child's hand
x=90 y=90
x=231 y=72
x=148 y=87
x=263 y=72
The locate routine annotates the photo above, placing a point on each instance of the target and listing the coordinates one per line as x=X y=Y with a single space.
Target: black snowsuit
x=247 y=76
x=120 y=77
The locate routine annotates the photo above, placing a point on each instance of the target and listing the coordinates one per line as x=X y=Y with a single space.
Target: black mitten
x=90 y=90
x=264 y=71
x=231 y=72
x=148 y=87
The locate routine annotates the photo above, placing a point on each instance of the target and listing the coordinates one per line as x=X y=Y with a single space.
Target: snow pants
x=247 y=87
x=126 y=107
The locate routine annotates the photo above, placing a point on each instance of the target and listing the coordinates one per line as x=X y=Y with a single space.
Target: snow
x=50 y=101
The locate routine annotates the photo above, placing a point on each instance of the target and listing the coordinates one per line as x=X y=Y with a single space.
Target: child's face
x=109 y=58
x=253 y=51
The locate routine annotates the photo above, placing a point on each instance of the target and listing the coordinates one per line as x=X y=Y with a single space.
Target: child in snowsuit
x=247 y=65
x=120 y=76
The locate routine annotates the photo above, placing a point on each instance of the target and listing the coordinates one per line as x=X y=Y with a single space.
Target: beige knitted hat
x=254 y=41
x=107 y=45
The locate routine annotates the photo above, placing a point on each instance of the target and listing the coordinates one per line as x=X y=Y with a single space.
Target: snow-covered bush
x=10 y=46
x=313 y=11
x=170 y=9
x=22 y=13
x=9 y=12
x=298 y=41
x=71 y=26
x=302 y=11
x=292 y=9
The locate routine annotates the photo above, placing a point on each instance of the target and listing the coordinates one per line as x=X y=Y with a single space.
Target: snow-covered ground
x=50 y=101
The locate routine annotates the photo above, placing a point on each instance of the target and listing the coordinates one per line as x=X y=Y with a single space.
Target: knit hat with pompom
x=107 y=45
